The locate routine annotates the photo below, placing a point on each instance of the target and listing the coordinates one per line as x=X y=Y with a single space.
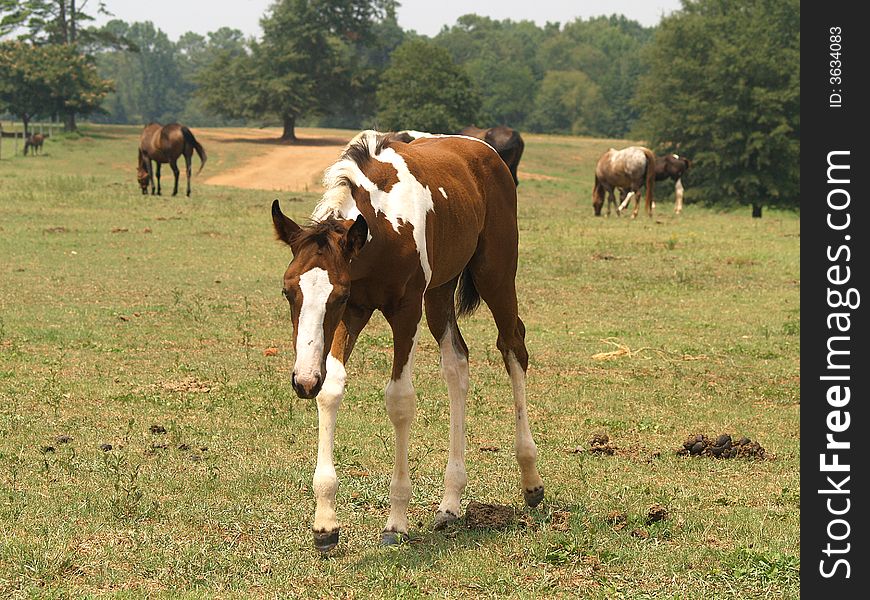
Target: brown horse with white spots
x=164 y=144
x=400 y=227
x=629 y=169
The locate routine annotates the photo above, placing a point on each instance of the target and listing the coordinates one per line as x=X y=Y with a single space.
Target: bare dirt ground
x=285 y=167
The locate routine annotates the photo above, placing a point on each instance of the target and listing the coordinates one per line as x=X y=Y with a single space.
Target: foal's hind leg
x=498 y=289
x=441 y=317
x=174 y=166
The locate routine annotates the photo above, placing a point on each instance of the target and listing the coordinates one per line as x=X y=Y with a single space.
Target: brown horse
x=164 y=144
x=506 y=141
x=673 y=166
x=630 y=169
x=33 y=142
x=399 y=228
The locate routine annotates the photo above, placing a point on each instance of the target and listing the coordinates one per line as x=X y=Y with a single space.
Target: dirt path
x=285 y=167
x=296 y=167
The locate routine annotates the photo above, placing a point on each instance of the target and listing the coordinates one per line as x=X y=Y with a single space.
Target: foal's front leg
x=325 y=482
x=400 y=399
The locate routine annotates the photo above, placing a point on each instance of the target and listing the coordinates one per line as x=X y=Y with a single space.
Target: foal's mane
x=347 y=172
x=318 y=232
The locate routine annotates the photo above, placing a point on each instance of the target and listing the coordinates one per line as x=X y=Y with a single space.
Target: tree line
x=717 y=80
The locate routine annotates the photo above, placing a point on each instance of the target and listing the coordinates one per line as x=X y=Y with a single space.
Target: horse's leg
x=151 y=175
x=635 y=193
x=159 y=193
x=173 y=164
x=497 y=287
x=187 y=171
x=626 y=199
x=441 y=318
x=678 y=194
x=325 y=482
x=611 y=200
x=400 y=399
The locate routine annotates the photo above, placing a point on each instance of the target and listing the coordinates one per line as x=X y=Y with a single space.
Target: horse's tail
x=200 y=151
x=650 y=178
x=467 y=296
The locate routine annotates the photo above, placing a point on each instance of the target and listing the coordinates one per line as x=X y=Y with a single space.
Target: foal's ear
x=356 y=237
x=285 y=228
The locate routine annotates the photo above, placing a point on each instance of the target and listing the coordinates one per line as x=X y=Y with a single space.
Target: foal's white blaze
x=315 y=288
x=443 y=193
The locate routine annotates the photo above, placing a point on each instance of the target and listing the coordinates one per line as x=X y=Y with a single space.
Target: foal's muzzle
x=307 y=389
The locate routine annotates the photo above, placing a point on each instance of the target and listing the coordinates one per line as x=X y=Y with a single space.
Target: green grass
x=119 y=312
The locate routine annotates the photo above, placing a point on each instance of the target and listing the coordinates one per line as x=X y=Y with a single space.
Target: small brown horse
x=630 y=169
x=673 y=166
x=164 y=144
x=34 y=142
x=506 y=141
x=399 y=228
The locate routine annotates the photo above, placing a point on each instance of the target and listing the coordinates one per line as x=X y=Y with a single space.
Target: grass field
x=124 y=316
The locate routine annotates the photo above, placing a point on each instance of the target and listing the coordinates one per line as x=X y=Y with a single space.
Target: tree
x=300 y=67
x=501 y=59
x=569 y=102
x=48 y=80
x=150 y=86
x=57 y=22
x=730 y=98
x=609 y=50
x=424 y=89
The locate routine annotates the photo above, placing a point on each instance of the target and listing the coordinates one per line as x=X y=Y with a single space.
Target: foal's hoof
x=442 y=519
x=324 y=541
x=393 y=538
x=534 y=496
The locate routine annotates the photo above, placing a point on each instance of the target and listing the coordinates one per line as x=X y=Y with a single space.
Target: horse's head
x=142 y=174
x=317 y=286
x=598 y=197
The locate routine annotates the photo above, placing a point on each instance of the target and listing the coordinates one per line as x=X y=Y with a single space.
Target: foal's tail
x=467 y=296
x=200 y=151
x=650 y=178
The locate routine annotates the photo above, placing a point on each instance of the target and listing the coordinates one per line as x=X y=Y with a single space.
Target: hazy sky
x=425 y=16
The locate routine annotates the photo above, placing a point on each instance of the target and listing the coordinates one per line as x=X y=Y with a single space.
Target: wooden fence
x=16 y=132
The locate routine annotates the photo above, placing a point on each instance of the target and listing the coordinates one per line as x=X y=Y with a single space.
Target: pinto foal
x=399 y=228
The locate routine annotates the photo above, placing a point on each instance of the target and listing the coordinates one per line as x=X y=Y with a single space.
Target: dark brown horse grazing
x=164 y=144
x=33 y=142
x=400 y=226
x=630 y=169
x=506 y=141
x=673 y=166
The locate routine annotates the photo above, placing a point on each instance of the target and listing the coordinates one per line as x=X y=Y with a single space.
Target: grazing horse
x=674 y=167
x=630 y=169
x=164 y=144
x=34 y=142
x=399 y=228
x=506 y=141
